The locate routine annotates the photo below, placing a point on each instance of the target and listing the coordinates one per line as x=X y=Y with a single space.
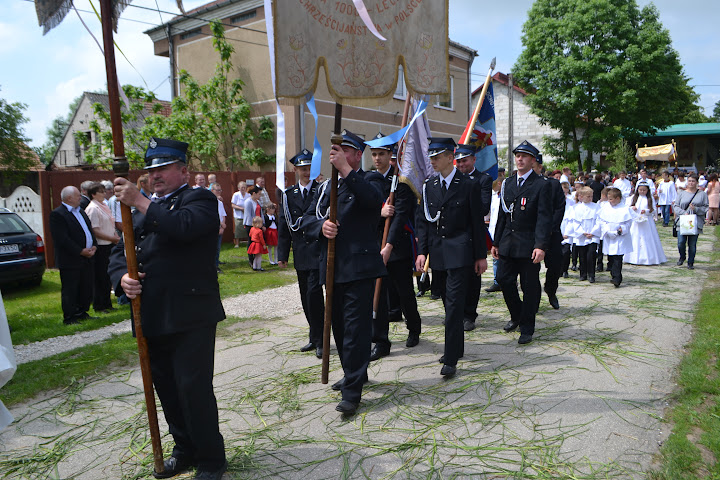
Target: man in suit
x=180 y=306
x=452 y=231
x=306 y=250
x=465 y=162
x=75 y=247
x=522 y=236
x=397 y=256
x=85 y=198
x=357 y=261
x=553 y=255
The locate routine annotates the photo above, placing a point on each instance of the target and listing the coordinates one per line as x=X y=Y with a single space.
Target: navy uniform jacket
x=357 y=253
x=457 y=239
x=176 y=243
x=306 y=250
x=398 y=235
x=529 y=228
x=485 y=181
x=69 y=238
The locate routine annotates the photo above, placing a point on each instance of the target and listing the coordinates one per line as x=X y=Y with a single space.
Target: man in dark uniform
x=181 y=306
x=306 y=250
x=465 y=162
x=357 y=261
x=522 y=235
x=553 y=255
x=452 y=232
x=397 y=255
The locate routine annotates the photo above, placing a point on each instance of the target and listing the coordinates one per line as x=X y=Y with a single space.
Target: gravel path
x=277 y=302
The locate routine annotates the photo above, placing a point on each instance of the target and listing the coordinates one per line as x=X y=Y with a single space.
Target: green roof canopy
x=689 y=129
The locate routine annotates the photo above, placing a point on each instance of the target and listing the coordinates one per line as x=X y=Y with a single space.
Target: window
x=190 y=34
x=243 y=17
x=446 y=101
x=400 y=90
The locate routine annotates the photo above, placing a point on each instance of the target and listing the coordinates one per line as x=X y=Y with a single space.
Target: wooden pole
x=121 y=168
x=390 y=201
x=330 y=271
x=479 y=104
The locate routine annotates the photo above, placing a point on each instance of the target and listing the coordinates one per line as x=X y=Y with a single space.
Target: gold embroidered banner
x=360 y=69
x=660 y=152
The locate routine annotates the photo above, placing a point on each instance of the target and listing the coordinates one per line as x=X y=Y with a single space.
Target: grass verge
x=693 y=447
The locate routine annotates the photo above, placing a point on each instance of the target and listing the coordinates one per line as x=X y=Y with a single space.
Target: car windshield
x=11 y=224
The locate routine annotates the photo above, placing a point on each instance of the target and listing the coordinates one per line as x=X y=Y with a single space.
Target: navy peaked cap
x=439 y=145
x=527 y=147
x=352 y=140
x=463 y=151
x=302 y=159
x=389 y=148
x=163 y=151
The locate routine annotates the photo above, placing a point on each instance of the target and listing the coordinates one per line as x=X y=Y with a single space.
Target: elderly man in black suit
x=465 y=162
x=75 y=247
x=397 y=255
x=452 y=231
x=306 y=250
x=181 y=306
x=357 y=261
x=522 y=236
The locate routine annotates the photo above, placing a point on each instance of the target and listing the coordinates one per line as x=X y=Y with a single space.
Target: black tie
x=304 y=194
x=443 y=188
x=520 y=181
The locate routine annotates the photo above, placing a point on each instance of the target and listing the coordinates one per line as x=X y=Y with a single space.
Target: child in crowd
x=615 y=219
x=647 y=249
x=665 y=195
x=494 y=210
x=586 y=232
x=271 y=233
x=566 y=227
x=603 y=200
x=257 y=247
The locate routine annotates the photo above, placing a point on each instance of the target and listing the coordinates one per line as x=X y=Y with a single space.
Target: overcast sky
x=47 y=72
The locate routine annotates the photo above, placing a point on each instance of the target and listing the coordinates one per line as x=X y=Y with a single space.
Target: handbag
x=686 y=224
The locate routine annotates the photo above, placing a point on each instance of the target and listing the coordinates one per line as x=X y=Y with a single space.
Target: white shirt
x=680 y=184
x=624 y=186
x=239 y=199
x=221 y=211
x=650 y=184
x=666 y=193
x=448 y=180
x=76 y=213
x=524 y=177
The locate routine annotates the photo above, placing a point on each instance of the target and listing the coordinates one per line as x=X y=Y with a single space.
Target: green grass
x=692 y=450
x=238 y=277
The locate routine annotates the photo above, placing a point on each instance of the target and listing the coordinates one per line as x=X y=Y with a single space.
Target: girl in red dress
x=257 y=247
x=271 y=233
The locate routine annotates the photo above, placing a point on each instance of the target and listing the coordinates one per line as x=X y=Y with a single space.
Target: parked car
x=22 y=251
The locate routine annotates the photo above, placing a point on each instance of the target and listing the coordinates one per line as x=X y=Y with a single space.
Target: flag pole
x=121 y=168
x=336 y=139
x=390 y=201
x=468 y=134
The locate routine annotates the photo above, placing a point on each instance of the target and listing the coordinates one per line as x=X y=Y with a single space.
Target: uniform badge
x=153 y=143
x=523 y=201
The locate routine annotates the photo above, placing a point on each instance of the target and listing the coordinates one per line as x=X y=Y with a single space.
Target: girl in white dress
x=647 y=249
x=615 y=219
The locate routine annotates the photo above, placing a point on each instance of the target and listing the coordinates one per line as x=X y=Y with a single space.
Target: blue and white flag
x=484 y=136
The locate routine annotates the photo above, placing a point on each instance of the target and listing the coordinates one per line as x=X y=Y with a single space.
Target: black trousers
x=600 y=255
x=566 y=247
x=436 y=282
x=313 y=303
x=76 y=289
x=399 y=279
x=614 y=264
x=473 y=296
x=453 y=292
x=522 y=311
x=352 y=326
x=574 y=256
x=553 y=263
x=586 y=255
x=101 y=297
x=393 y=301
x=182 y=369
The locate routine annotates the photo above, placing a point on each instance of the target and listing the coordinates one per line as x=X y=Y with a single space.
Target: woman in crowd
x=690 y=201
x=103 y=225
x=647 y=249
x=238 y=205
x=713 y=193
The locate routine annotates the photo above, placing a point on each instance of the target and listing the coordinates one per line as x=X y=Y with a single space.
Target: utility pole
x=510 y=125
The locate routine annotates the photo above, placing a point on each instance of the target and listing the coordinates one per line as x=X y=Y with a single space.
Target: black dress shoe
x=524 y=339
x=211 y=475
x=307 y=347
x=419 y=294
x=574 y=268
x=583 y=278
x=378 y=352
x=346 y=407
x=468 y=325
x=553 y=300
x=71 y=321
x=565 y=275
x=599 y=268
x=173 y=466
x=337 y=386
x=318 y=352
x=591 y=280
x=680 y=262
x=448 y=371
x=412 y=340
x=434 y=297
x=691 y=266
x=510 y=326
x=493 y=288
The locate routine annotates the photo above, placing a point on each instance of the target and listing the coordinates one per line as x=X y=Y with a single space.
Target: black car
x=22 y=251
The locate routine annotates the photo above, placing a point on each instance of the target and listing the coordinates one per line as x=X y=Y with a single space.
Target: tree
x=14 y=152
x=716 y=112
x=599 y=69
x=622 y=157
x=56 y=131
x=213 y=118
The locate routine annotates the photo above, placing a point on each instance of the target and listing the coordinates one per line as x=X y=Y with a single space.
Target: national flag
x=484 y=136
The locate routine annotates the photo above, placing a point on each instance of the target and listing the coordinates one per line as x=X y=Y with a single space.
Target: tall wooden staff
x=390 y=201
x=336 y=139
x=476 y=113
x=121 y=168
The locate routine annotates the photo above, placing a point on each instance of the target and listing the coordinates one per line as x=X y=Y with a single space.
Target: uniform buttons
x=192 y=290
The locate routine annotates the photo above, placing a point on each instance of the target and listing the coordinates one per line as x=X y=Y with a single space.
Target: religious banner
x=360 y=68
x=664 y=153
